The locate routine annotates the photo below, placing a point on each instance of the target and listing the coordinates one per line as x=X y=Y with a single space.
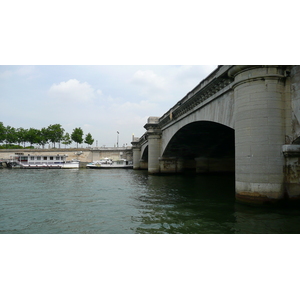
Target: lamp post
x=117 y=139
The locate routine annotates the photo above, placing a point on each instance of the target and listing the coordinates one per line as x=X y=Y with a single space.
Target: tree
x=11 y=135
x=2 y=132
x=55 y=133
x=41 y=137
x=32 y=136
x=66 y=139
x=76 y=136
x=44 y=137
x=21 y=135
x=89 y=139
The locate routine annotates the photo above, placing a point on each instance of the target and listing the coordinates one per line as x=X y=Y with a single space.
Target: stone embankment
x=85 y=155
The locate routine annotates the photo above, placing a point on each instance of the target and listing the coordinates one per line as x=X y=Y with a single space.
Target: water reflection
x=187 y=204
x=266 y=220
x=205 y=204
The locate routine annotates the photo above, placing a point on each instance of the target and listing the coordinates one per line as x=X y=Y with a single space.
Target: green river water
x=87 y=201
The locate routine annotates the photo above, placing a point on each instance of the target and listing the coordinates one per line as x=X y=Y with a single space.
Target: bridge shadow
x=203 y=146
x=204 y=204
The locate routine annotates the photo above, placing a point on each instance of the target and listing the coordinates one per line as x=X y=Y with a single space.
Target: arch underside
x=144 y=155
x=201 y=139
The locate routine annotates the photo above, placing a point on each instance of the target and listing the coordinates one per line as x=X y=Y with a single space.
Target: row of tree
x=54 y=134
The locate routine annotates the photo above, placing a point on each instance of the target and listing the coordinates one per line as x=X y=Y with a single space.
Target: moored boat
x=108 y=163
x=42 y=162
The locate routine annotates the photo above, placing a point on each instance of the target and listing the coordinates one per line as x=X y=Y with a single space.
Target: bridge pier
x=136 y=153
x=170 y=165
x=259 y=133
x=242 y=119
x=214 y=165
x=292 y=171
x=143 y=165
x=154 y=140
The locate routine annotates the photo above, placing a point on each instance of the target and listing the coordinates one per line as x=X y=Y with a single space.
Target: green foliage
x=10 y=146
x=31 y=136
x=89 y=139
x=11 y=135
x=66 y=139
x=2 y=132
x=44 y=137
x=53 y=133
x=21 y=135
x=76 y=136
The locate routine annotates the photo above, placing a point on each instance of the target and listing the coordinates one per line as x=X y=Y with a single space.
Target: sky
x=100 y=99
x=106 y=66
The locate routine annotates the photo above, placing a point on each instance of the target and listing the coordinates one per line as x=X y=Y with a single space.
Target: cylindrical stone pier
x=154 y=153
x=154 y=140
x=259 y=133
x=136 y=153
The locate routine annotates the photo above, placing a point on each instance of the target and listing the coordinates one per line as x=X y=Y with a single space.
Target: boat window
x=31 y=157
x=51 y=157
x=38 y=158
x=57 y=157
x=45 y=157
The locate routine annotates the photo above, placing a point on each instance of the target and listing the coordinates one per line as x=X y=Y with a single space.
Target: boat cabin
x=40 y=159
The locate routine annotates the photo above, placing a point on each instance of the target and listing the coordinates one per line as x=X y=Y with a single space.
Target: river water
x=87 y=201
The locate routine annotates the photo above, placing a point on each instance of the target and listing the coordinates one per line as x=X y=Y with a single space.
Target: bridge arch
x=204 y=146
x=220 y=110
x=199 y=139
x=144 y=153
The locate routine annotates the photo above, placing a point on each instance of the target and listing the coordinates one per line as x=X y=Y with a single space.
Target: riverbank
x=85 y=155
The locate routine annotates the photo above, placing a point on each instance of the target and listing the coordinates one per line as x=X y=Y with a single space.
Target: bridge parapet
x=213 y=84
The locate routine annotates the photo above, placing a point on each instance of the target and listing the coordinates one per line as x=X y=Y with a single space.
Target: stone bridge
x=242 y=119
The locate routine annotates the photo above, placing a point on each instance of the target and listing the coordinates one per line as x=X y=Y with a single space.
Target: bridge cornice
x=237 y=69
x=205 y=90
x=247 y=74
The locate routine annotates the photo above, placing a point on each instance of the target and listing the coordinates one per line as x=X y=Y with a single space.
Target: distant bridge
x=242 y=119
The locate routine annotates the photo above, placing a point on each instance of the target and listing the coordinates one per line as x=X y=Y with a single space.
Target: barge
x=42 y=162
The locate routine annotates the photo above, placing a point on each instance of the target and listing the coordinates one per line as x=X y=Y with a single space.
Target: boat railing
x=38 y=163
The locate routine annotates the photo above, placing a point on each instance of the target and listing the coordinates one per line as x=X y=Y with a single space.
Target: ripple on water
x=129 y=201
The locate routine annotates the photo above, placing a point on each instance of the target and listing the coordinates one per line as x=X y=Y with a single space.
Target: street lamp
x=117 y=139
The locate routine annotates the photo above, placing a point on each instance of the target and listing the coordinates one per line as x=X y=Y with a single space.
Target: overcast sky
x=107 y=68
x=100 y=99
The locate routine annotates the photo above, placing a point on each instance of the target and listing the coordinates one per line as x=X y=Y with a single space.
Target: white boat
x=57 y=161
x=108 y=163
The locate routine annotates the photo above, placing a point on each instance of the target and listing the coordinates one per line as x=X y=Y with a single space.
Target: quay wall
x=85 y=155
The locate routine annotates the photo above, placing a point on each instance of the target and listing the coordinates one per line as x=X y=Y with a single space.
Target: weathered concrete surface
x=261 y=105
x=259 y=133
x=154 y=143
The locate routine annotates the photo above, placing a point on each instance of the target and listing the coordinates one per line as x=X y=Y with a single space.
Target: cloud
x=72 y=91
x=148 y=81
x=187 y=77
x=28 y=72
x=169 y=84
x=100 y=99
